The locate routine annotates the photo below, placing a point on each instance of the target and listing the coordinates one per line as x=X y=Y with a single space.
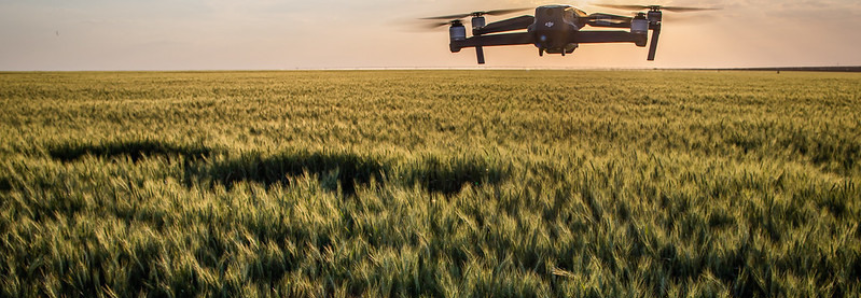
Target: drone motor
x=457 y=31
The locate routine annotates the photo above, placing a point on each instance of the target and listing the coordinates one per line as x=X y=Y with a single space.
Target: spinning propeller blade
x=478 y=14
x=657 y=7
x=437 y=25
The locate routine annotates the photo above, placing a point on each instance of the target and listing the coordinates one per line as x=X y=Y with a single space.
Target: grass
x=430 y=183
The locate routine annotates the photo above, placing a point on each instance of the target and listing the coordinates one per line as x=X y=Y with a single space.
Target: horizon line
x=479 y=68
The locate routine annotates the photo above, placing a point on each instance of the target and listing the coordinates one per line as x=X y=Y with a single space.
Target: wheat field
x=430 y=184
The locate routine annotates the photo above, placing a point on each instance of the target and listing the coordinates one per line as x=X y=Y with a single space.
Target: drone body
x=557 y=29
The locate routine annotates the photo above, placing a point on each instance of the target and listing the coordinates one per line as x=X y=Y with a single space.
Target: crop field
x=430 y=184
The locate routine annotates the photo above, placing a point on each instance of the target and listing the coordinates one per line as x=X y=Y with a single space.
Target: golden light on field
x=509 y=183
x=266 y=34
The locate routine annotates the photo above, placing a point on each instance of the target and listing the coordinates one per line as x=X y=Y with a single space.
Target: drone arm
x=607 y=21
x=506 y=39
x=518 y=23
x=610 y=25
x=608 y=37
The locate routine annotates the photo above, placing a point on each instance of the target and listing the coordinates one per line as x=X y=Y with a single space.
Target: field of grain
x=430 y=183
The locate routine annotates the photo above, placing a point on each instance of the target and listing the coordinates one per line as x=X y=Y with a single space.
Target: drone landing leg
x=479 y=53
x=653 y=47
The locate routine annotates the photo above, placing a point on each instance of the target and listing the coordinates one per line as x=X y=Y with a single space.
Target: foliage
x=430 y=183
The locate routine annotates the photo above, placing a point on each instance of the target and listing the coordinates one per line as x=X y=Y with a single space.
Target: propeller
x=655 y=16
x=657 y=7
x=478 y=14
x=686 y=18
x=478 y=23
x=435 y=25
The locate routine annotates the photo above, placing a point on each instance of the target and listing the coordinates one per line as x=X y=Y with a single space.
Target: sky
x=45 y=35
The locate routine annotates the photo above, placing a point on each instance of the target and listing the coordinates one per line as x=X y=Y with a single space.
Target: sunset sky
x=349 y=34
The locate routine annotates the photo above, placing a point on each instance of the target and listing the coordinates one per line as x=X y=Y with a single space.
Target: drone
x=556 y=29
